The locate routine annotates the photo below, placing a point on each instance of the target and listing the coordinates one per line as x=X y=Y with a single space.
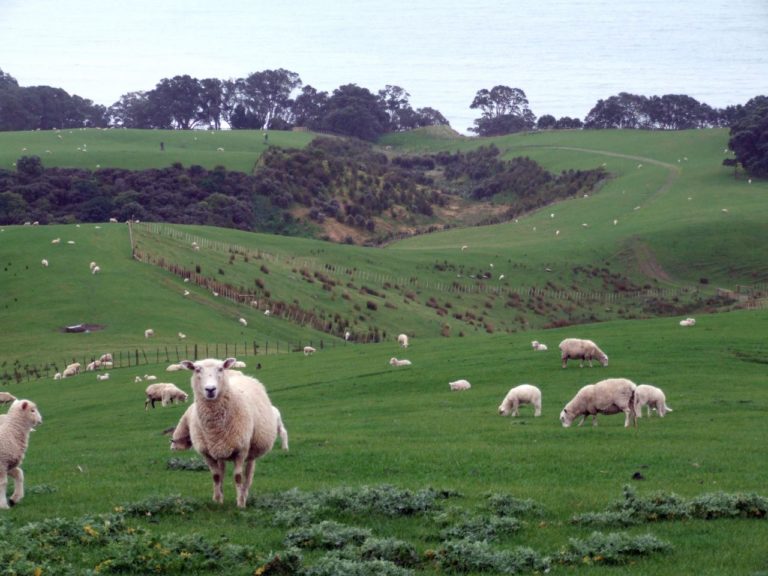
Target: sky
x=565 y=54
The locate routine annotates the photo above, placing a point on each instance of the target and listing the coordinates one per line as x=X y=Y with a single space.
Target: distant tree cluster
x=749 y=136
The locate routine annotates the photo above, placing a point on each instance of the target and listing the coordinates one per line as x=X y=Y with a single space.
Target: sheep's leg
x=217 y=473
x=283 y=436
x=565 y=361
x=594 y=419
x=18 y=480
x=3 y=488
x=250 y=467
x=537 y=409
x=243 y=479
x=515 y=412
x=583 y=416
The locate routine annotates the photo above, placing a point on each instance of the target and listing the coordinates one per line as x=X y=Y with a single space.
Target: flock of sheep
x=232 y=418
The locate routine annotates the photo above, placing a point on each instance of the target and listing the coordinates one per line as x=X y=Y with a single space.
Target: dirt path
x=647 y=263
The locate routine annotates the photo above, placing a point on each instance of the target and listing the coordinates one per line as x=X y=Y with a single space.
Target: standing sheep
x=71 y=370
x=148 y=333
x=231 y=419
x=522 y=394
x=652 y=397
x=165 y=392
x=609 y=396
x=309 y=350
x=15 y=427
x=402 y=339
x=572 y=348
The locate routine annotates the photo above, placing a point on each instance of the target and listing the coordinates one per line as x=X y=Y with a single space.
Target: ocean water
x=565 y=54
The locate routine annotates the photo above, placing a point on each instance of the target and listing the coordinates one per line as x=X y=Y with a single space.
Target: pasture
x=440 y=480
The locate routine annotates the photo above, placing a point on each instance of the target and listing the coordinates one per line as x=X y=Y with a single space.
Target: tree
x=430 y=117
x=355 y=111
x=308 y=107
x=211 y=102
x=267 y=95
x=505 y=110
x=546 y=122
x=749 y=137
x=622 y=111
x=131 y=111
x=176 y=101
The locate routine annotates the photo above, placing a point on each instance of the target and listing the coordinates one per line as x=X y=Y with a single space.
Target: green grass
x=355 y=421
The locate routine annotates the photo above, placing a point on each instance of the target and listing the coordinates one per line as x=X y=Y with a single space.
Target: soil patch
x=82 y=328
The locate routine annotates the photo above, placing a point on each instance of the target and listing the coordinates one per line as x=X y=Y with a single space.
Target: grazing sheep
x=6 y=397
x=572 y=348
x=522 y=394
x=91 y=266
x=137 y=379
x=96 y=270
x=44 y=262
x=91 y=366
x=459 y=385
x=15 y=426
x=230 y=419
x=106 y=358
x=395 y=362
x=182 y=336
x=609 y=396
x=113 y=220
x=174 y=368
x=281 y=429
x=148 y=333
x=243 y=321
x=165 y=392
x=402 y=339
x=308 y=350
x=56 y=241
x=102 y=377
x=688 y=322
x=347 y=335
x=653 y=398
x=57 y=376
x=71 y=370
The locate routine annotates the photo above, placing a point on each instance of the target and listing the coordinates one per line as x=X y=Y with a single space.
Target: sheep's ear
x=24 y=405
x=187 y=364
x=229 y=362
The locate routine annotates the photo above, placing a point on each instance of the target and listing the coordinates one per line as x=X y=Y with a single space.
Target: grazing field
x=389 y=472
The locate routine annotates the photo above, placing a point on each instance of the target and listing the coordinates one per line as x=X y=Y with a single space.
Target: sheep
x=6 y=397
x=539 y=346
x=165 y=392
x=44 y=262
x=148 y=333
x=15 y=426
x=56 y=241
x=174 y=368
x=402 y=339
x=239 y=364
x=150 y=377
x=182 y=336
x=91 y=366
x=107 y=365
x=71 y=370
x=106 y=358
x=395 y=362
x=113 y=220
x=102 y=377
x=243 y=321
x=522 y=394
x=653 y=398
x=308 y=350
x=347 y=335
x=91 y=266
x=459 y=385
x=57 y=376
x=583 y=350
x=231 y=418
x=688 y=322
x=605 y=397
x=281 y=429
x=96 y=270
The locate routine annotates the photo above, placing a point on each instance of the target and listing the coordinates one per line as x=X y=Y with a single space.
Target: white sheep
x=653 y=398
x=56 y=241
x=243 y=321
x=71 y=370
x=15 y=426
x=148 y=333
x=165 y=392
x=395 y=362
x=107 y=365
x=572 y=348
x=238 y=364
x=230 y=419
x=308 y=350
x=137 y=379
x=609 y=396
x=57 y=376
x=347 y=335
x=150 y=377
x=281 y=429
x=106 y=358
x=457 y=385
x=91 y=366
x=539 y=346
x=688 y=322
x=96 y=270
x=6 y=397
x=402 y=339
x=102 y=377
x=522 y=394
x=174 y=368
x=44 y=262
x=181 y=336
x=91 y=266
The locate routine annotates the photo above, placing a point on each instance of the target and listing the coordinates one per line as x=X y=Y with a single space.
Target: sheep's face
x=504 y=409
x=29 y=409
x=209 y=376
x=603 y=358
x=566 y=419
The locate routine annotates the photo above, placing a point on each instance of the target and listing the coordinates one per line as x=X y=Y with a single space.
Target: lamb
x=688 y=322
x=148 y=333
x=102 y=377
x=71 y=370
x=459 y=385
x=91 y=266
x=165 y=392
x=539 y=346
x=181 y=335
x=239 y=364
x=281 y=430
x=243 y=321
x=402 y=339
x=653 y=398
x=395 y=362
x=308 y=350
x=583 y=350
x=96 y=270
x=605 y=397
x=231 y=418
x=44 y=262
x=174 y=368
x=15 y=426
x=522 y=394
x=6 y=397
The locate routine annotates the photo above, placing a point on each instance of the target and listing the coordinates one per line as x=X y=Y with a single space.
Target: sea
x=564 y=54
